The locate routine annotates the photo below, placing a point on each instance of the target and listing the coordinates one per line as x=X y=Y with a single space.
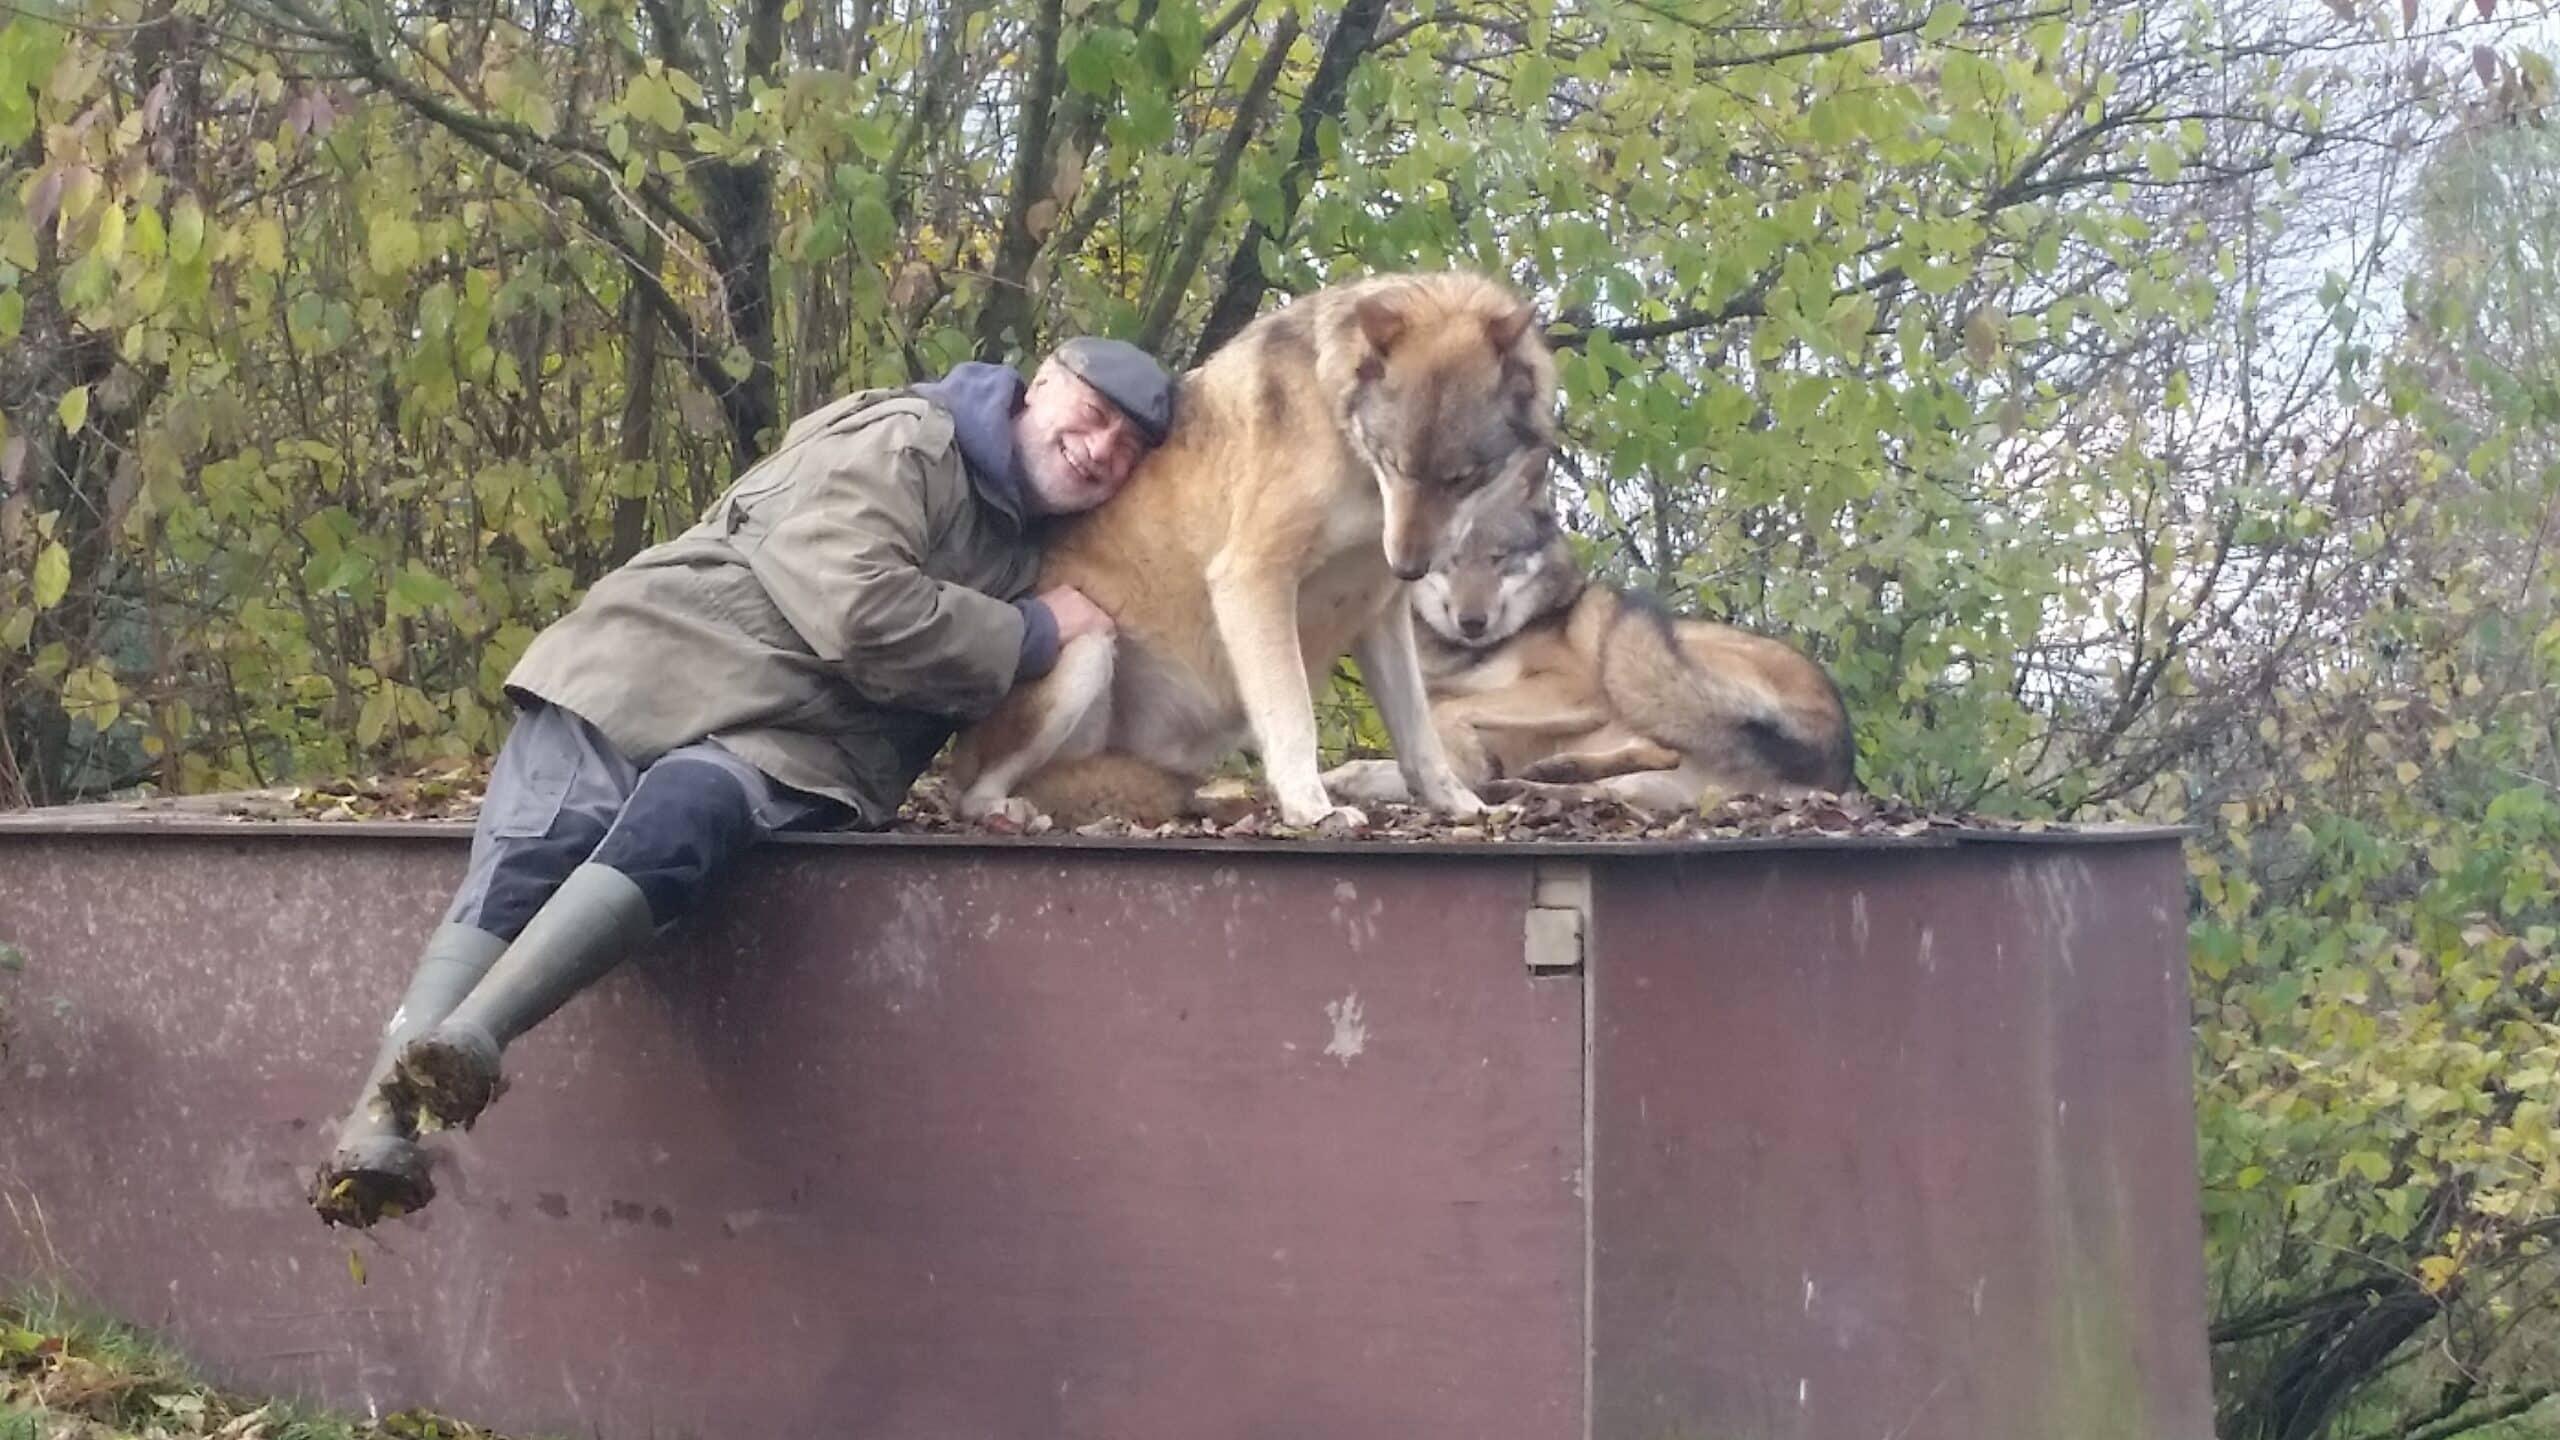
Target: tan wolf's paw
x=1013 y=810
x=1342 y=820
x=1459 y=803
x=1322 y=814
x=1445 y=793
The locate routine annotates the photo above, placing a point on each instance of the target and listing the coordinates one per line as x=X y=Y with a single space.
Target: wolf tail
x=1749 y=697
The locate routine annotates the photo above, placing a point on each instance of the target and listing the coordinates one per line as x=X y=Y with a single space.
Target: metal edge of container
x=127 y=821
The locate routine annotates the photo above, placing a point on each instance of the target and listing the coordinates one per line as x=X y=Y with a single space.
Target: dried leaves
x=448 y=791
x=1535 y=815
x=1531 y=814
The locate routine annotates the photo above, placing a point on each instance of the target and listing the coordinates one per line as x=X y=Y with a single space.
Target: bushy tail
x=1079 y=792
x=1750 y=699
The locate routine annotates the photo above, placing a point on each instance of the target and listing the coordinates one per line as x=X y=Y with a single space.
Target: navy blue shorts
x=561 y=795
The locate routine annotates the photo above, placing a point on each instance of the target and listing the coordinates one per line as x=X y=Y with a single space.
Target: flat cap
x=1128 y=377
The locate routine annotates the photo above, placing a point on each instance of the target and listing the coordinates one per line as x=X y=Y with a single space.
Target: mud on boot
x=373 y=1179
x=446 y=1077
x=376 y=1170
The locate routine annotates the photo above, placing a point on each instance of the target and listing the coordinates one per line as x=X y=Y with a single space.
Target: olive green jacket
x=832 y=619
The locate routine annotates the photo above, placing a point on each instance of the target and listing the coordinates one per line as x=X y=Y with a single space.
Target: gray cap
x=1127 y=376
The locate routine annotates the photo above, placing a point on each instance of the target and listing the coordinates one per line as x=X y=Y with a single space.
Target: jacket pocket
x=533 y=778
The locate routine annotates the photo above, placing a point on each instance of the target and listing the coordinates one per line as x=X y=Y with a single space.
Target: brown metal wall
x=1897 y=1147
x=914 y=1141
x=929 y=1144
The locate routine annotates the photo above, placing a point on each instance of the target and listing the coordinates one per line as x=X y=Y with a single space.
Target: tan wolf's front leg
x=1257 y=613
x=1393 y=674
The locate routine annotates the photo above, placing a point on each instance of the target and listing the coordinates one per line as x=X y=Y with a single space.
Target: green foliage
x=2380 y=910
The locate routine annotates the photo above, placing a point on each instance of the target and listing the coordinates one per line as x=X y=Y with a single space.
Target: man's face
x=1077 y=448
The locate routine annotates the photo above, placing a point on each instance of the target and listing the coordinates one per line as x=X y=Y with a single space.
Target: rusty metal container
x=932 y=1140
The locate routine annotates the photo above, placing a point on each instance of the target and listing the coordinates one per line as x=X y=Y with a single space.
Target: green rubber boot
x=377 y=1170
x=450 y=1074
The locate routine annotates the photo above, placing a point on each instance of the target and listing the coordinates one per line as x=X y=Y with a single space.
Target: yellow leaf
x=74 y=408
x=355 y=1266
x=2437 y=1271
x=53 y=575
x=90 y=693
x=380 y=708
x=1983 y=333
x=186 y=229
x=2407 y=771
x=108 y=245
x=393 y=244
x=266 y=245
x=79 y=192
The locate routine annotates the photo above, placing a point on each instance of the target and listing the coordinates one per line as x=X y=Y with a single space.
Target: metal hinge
x=1558 y=930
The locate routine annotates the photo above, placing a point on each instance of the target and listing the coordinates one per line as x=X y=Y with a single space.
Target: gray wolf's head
x=1504 y=566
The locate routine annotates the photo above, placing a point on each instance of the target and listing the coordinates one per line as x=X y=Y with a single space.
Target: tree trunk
x=1005 y=325
x=1241 y=294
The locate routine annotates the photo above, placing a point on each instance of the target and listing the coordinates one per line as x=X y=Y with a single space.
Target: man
x=792 y=661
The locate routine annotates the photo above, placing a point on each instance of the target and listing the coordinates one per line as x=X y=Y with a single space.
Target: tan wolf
x=1314 y=463
x=1539 y=677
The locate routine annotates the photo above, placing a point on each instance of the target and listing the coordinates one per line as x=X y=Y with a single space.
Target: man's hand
x=1075 y=614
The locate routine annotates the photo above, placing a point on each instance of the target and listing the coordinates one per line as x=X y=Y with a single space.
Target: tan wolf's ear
x=1506 y=328
x=1383 y=321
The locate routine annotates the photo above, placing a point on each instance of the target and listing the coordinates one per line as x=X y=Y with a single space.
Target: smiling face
x=1078 y=449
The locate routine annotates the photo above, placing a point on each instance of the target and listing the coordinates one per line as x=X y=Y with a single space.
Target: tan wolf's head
x=1449 y=387
x=1504 y=566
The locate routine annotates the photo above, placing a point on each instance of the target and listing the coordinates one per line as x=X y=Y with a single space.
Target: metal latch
x=1558 y=929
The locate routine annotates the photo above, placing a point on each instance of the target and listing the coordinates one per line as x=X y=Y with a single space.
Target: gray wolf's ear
x=1523 y=483
x=1537 y=479
x=1505 y=329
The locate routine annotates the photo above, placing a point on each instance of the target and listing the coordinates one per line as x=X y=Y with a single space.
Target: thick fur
x=1540 y=678
x=1314 y=460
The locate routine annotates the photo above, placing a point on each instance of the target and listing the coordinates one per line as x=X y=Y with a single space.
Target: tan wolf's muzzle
x=1412 y=531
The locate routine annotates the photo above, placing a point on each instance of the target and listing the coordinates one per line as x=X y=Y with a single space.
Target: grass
x=67 y=1375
